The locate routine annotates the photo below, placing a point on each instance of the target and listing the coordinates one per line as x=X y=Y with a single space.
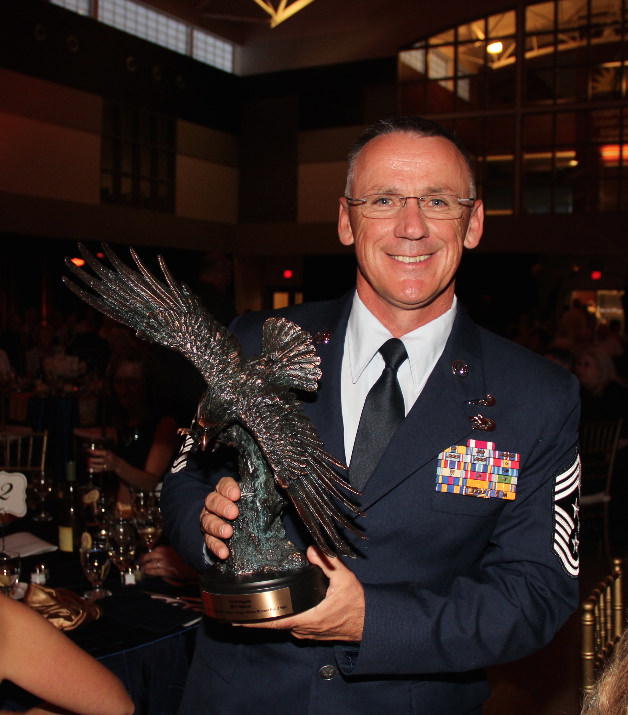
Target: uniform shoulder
x=248 y=326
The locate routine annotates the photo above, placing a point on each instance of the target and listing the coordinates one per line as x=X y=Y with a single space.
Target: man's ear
x=476 y=225
x=345 y=232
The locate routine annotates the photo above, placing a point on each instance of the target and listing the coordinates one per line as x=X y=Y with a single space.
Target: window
x=138 y=158
x=539 y=96
x=157 y=27
x=83 y=7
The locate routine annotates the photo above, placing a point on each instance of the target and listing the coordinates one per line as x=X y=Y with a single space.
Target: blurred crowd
x=595 y=351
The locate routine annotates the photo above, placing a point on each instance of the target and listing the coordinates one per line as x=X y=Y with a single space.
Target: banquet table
x=145 y=634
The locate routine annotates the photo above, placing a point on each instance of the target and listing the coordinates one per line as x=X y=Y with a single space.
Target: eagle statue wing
x=256 y=393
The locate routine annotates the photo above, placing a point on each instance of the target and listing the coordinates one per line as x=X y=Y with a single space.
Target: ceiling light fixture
x=495 y=48
x=283 y=11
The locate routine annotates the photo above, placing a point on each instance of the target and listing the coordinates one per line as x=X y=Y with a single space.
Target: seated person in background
x=602 y=394
x=42 y=660
x=146 y=436
x=604 y=398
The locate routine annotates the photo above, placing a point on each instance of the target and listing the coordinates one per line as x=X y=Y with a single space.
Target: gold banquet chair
x=602 y=623
x=22 y=450
x=598 y=448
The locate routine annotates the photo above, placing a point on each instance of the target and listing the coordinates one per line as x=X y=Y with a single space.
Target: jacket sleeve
x=513 y=601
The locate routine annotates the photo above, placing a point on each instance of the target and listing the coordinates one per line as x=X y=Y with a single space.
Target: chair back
x=598 y=448
x=23 y=451
x=602 y=623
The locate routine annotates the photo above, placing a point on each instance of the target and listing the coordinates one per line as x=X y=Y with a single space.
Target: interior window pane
x=501 y=88
x=444 y=38
x=501 y=131
x=540 y=45
x=571 y=14
x=540 y=17
x=537 y=182
x=440 y=62
x=538 y=131
x=498 y=191
x=607 y=80
x=501 y=25
x=472 y=31
x=412 y=62
x=539 y=85
x=566 y=129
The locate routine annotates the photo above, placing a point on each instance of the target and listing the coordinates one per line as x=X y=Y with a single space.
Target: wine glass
x=42 y=486
x=122 y=546
x=102 y=507
x=95 y=561
x=9 y=571
x=90 y=447
x=149 y=525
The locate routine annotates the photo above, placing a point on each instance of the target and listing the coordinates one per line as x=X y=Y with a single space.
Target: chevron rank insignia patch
x=566 y=518
x=478 y=469
x=182 y=458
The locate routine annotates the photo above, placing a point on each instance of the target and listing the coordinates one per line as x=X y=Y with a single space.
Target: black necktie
x=382 y=412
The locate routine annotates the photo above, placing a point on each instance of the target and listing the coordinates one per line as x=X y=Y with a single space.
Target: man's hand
x=219 y=505
x=338 y=617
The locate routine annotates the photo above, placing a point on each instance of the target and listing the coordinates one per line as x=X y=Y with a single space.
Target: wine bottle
x=70 y=522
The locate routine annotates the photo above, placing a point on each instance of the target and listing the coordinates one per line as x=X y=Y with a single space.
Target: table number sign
x=12 y=493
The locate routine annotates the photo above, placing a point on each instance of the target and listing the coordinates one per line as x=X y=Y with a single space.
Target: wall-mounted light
x=494 y=48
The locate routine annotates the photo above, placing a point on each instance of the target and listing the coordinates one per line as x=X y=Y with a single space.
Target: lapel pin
x=487 y=401
x=480 y=422
x=323 y=337
x=460 y=368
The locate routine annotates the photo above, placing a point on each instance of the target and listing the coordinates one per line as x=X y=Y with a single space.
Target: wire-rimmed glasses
x=433 y=206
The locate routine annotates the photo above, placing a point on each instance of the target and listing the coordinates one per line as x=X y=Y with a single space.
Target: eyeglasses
x=434 y=206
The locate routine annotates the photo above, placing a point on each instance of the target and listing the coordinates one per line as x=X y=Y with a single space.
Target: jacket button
x=327 y=672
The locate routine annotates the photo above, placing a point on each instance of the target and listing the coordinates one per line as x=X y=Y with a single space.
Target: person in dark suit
x=471 y=511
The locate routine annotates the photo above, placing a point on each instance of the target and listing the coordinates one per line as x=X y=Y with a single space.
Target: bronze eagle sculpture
x=245 y=397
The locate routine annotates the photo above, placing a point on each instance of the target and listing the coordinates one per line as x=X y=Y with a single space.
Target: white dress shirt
x=362 y=363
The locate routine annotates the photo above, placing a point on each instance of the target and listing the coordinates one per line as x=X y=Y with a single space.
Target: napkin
x=27 y=544
x=62 y=607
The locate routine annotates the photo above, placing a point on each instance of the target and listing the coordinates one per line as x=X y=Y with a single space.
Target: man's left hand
x=338 y=617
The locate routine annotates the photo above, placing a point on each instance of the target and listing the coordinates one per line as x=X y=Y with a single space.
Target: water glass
x=95 y=561
x=9 y=571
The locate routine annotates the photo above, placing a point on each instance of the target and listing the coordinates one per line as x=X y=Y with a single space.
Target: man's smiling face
x=407 y=264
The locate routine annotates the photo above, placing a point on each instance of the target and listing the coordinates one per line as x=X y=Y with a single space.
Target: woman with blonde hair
x=610 y=693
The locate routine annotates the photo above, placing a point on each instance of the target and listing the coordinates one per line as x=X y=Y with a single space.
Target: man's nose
x=412 y=223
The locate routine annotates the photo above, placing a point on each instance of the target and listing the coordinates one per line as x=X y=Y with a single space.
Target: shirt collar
x=365 y=336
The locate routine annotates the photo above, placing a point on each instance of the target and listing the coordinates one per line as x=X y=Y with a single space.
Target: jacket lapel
x=440 y=416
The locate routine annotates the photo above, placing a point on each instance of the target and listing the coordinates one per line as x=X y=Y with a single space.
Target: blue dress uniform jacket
x=453 y=582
